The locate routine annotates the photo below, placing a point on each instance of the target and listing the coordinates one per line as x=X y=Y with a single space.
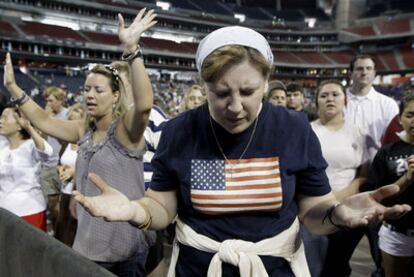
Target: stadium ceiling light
x=174 y=37
x=163 y=5
x=311 y=21
x=241 y=17
x=62 y=23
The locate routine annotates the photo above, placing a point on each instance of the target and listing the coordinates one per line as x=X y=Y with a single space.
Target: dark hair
x=275 y=88
x=326 y=82
x=2 y=101
x=291 y=87
x=409 y=97
x=361 y=57
x=23 y=132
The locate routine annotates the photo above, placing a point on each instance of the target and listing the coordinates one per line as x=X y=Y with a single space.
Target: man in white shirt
x=371 y=112
x=367 y=108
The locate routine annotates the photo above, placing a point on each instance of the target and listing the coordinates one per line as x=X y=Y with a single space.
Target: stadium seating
x=102 y=38
x=7 y=28
x=390 y=61
x=407 y=54
x=39 y=29
x=292 y=46
x=361 y=30
x=394 y=26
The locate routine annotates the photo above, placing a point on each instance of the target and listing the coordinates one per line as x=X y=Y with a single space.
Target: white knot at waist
x=230 y=250
x=244 y=254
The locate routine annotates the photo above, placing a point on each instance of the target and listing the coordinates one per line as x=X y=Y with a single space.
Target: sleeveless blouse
x=122 y=169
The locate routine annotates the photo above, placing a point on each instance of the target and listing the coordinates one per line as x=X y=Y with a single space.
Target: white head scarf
x=233 y=35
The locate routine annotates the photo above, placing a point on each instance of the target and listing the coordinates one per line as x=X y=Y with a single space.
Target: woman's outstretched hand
x=365 y=208
x=130 y=36
x=112 y=205
x=8 y=78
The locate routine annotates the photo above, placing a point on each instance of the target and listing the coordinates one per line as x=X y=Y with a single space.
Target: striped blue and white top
x=152 y=136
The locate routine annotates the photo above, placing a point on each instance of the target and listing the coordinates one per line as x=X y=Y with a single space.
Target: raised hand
x=131 y=35
x=410 y=168
x=23 y=122
x=112 y=205
x=365 y=208
x=8 y=78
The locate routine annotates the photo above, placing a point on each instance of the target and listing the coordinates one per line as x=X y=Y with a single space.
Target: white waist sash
x=244 y=254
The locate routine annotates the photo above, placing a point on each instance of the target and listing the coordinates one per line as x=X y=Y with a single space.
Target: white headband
x=233 y=35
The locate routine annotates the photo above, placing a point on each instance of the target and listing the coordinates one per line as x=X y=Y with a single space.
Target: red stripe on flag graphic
x=231 y=186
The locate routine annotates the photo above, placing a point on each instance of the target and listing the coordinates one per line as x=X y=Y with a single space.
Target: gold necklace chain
x=218 y=143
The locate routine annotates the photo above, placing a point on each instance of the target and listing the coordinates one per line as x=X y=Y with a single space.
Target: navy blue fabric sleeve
x=163 y=179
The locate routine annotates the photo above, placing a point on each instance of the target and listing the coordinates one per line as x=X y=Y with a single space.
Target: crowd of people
x=255 y=183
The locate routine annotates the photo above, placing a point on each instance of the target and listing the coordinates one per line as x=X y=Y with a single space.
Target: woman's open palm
x=131 y=35
x=366 y=208
x=112 y=205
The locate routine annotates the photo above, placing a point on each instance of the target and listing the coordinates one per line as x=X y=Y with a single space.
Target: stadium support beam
x=278 y=5
x=347 y=11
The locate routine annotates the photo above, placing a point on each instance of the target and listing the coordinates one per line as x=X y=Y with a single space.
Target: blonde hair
x=77 y=108
x=225 y=57
x=58 y=93
x=116 y=84
x=186 y=98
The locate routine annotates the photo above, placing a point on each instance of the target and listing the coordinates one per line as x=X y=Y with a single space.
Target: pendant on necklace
x=231 y=168
x=222 y=151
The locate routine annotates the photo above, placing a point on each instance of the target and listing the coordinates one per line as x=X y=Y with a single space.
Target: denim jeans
x=315 y=250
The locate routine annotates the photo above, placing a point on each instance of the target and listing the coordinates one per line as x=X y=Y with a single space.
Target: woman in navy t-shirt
x=238 y=173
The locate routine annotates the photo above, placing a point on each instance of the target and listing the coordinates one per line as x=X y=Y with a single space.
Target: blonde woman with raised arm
x=111 y=144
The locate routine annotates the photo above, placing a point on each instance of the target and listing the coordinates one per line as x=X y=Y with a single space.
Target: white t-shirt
x=68 y=158
x=372 y=113
x=344 y=150
x=3 y=142
x=20 y=190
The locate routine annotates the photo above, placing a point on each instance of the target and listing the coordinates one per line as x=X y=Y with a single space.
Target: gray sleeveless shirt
x=122 y=169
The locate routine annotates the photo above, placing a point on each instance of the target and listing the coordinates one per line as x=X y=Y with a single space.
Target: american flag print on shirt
x=234 y=186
